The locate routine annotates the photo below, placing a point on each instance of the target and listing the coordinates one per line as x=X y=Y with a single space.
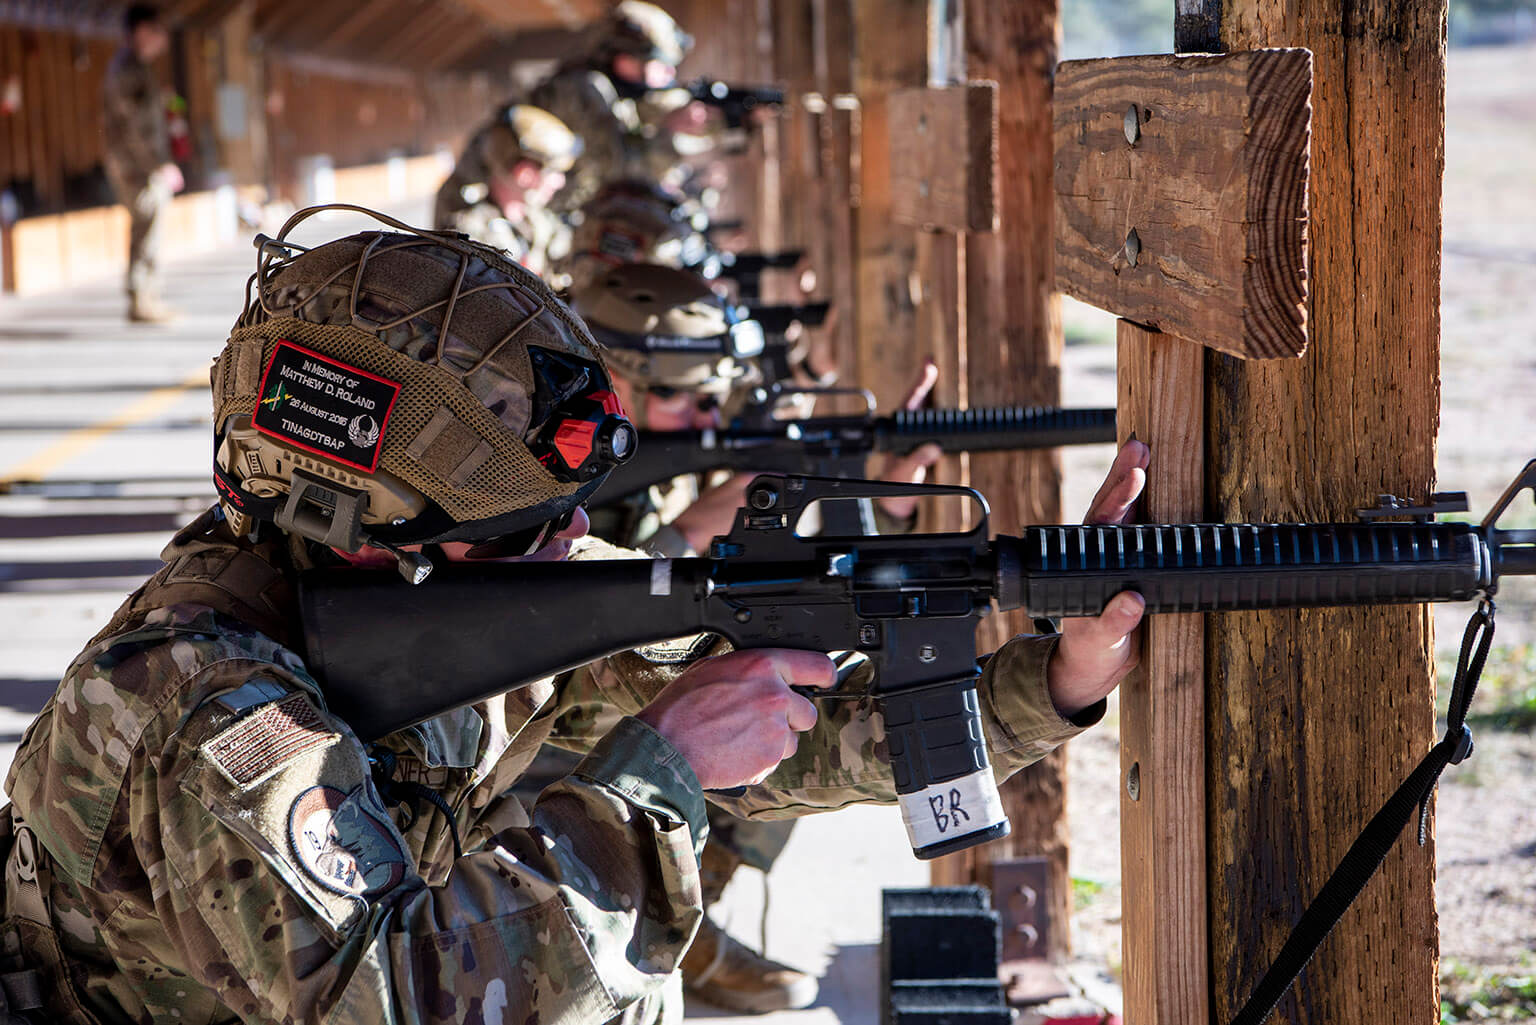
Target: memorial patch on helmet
x=343 y=844
x=324 y=406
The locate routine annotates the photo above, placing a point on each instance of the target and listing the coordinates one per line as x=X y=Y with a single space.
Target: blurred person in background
x=500 y=189
x=619 y=98
x=138 y=154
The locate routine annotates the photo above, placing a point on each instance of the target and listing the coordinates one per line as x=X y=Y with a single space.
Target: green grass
x=1473 y=994
x=1506 y=695
x=1084 y=891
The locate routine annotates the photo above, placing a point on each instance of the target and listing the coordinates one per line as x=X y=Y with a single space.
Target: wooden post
x=1012 y=354
x=1315 y=717
x=838 y=134
x=1162 y=706
x=891 y=55
x=1181 y=184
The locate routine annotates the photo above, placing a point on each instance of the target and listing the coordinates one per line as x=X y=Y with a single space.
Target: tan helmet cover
x=630 y=224
x=647 y=31
x=647 y=314
x=445 y=323
x=531 y=133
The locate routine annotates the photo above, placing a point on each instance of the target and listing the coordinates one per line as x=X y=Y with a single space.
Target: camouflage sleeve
x=294 y=895
x=134 y=122
x=575 y=98
x=843 y=759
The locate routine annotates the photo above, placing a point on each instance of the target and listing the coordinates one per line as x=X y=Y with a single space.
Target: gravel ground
x=1486 y=815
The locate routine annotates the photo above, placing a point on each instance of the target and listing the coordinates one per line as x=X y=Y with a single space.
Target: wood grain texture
x=1316 y=716
x=1013 y=354
x=891 y=55
x=1214 y=189
x=1162 y=706
x=944 y=157
x=837 y=126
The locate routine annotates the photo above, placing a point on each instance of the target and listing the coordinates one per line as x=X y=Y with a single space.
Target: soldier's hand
x=170 y=177
x=1095 y=654
x=734 y=717
x=692 y=118
x=911 y=468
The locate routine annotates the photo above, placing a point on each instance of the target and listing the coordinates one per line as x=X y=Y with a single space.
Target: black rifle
x=736 y=102
x=746 y=269
x=837 y=446
x=909 y=603
x=775 y=320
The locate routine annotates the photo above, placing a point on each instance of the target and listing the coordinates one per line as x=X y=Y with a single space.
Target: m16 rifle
x=746 y=269
x=735 y=102
x=909 y=603
x=837 y=446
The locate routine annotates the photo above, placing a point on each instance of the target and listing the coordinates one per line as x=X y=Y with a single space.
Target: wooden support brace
x=944 y=157
x=1181 y=199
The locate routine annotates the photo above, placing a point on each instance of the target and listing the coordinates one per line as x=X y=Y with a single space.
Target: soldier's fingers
x=1127 y=476
x=800 y=715
x=927 y=377
x=800 y=668
x=1107 y=631
x=791 y=745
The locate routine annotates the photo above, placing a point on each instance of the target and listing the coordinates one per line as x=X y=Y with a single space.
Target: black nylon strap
x=1375 y=841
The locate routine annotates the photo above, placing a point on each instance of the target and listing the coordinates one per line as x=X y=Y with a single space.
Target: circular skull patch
x=343 y=844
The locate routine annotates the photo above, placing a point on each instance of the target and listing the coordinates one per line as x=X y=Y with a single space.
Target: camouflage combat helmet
x=667 y=329
x=525 y=132
x=401 y=387
x=635 y=221
x=644 y=30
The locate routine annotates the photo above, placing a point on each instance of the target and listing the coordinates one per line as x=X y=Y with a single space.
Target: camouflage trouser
x=145 y=201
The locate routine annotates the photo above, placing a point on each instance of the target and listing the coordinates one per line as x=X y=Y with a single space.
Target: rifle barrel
x=1075 y=571
x=996 y=428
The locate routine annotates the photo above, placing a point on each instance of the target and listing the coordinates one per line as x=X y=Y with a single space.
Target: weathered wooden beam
x=890 y=56
x=1162 y=706
x=1315 y=717
x=1012 y=353
x=944 y=157
x=1181 y=194
x=837 y=126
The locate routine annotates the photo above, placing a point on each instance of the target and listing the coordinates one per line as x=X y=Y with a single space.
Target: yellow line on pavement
x=38 y=466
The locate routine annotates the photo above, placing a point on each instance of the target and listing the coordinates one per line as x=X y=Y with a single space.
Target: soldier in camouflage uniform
x=618 y=98
x=138 y=154
x=659 y=323
x=500 y=188
x=193 y=836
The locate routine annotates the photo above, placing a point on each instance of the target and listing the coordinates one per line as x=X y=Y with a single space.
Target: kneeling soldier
x=193 y=835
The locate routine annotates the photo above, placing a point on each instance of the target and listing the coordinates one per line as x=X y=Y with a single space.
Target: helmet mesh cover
x=448 y=320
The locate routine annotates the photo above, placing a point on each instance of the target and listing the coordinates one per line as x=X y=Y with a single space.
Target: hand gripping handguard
x=910 y=603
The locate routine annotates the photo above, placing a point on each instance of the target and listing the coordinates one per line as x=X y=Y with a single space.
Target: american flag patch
x=261 y=743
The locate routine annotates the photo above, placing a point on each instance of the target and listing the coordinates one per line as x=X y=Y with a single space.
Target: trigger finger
x=801 y=715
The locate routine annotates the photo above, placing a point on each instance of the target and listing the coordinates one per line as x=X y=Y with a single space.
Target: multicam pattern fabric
x=178 y=892
x=137 y=142
x=619 y=138
x=538 y=239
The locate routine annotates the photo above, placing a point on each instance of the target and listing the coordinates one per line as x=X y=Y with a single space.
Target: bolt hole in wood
x=1128 y=253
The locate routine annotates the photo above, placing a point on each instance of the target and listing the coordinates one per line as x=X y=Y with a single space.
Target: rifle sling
x=1376 y=840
